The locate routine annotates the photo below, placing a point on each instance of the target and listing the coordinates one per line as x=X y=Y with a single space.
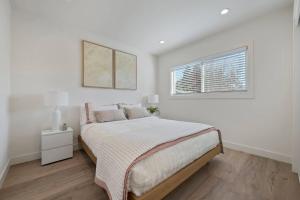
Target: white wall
x=261 y=125
x=4 y=84
x=296 y=92
x=48 y=56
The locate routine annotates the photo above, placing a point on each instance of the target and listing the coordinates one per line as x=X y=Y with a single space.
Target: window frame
x=249 y=94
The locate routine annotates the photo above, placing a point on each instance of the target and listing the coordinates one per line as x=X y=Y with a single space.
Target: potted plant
x=153 y=110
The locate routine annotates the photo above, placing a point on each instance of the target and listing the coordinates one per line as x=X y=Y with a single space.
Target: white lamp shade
x=153 y=99
x=56 y=98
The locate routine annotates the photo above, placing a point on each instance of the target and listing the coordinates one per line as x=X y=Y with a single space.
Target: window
x=226 y=72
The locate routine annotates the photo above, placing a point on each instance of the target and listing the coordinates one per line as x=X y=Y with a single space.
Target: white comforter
x=161 y=165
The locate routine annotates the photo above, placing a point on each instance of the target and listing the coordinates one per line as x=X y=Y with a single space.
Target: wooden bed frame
x=168 y=185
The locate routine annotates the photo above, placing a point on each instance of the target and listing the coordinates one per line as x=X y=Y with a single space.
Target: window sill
x=219 y=95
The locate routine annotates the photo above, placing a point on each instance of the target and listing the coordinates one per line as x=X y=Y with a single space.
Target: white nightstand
x=56 y=145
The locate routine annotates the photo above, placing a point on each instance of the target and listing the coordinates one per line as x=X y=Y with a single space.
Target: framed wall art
x=125 y=70
x=98 y=65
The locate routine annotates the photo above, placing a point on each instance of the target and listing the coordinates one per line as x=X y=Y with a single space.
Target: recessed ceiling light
x=224 y=11
x=161 y=42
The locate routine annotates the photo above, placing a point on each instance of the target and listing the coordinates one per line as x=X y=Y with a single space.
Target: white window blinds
x=226 y=72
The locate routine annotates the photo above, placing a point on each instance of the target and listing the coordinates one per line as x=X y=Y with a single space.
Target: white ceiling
x=143 y=23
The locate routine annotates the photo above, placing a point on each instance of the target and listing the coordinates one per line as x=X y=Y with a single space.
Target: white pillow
x=124 y=105
x=88 y=109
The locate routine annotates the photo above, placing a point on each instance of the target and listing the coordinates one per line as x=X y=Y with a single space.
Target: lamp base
x=56 y=119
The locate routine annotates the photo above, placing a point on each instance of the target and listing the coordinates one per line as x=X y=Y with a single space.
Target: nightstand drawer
x=56 y=140
x=53 y=155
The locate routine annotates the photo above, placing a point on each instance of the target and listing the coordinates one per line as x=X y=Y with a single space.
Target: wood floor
x=232 y=176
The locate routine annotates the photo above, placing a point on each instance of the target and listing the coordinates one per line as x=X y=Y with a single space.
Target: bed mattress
x=151 y=171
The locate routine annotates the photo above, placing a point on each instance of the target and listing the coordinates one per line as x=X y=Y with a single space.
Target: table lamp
x=56 y=99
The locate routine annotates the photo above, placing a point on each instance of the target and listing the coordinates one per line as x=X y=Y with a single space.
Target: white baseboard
x=31 y=156
x=25 y=158
x=258 y=151
x=4 y=173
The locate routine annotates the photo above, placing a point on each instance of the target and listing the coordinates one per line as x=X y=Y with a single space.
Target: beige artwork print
x=125 y=71
x=98 y=66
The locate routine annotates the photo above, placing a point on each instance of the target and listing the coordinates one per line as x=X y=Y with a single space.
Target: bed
x=156 y=172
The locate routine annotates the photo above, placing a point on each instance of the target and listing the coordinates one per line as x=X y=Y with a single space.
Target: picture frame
x=125 y=70
x=98 y=65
